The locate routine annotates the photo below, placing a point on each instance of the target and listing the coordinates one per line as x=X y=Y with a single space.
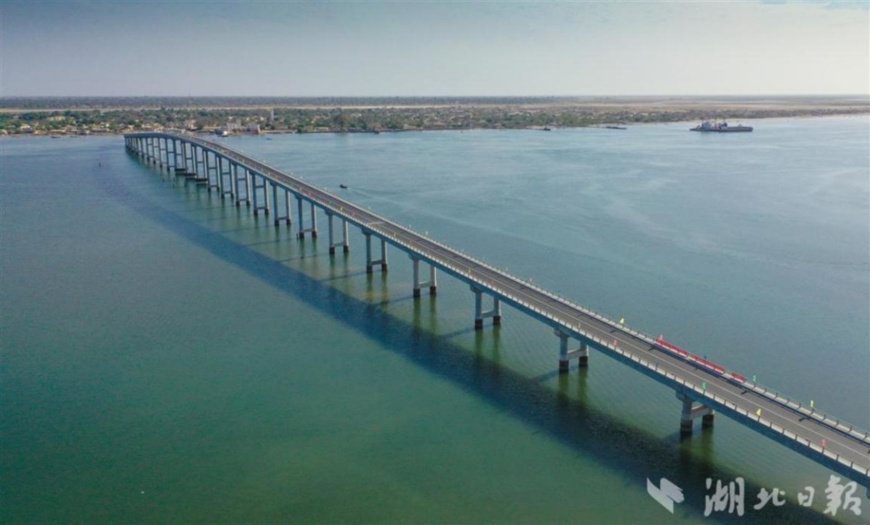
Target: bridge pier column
x=431 y=283
x=178 y=162
x=254 y=193
x=202 y=167
x=170 y=154
x=206 y=166
x=242 y=180
x=190 y=167
x=170 y=157
x=166 y=163
x=263 y=203
x=480 y=315
x=195 y=151
x=175 y=163
x=234 y=181
x=371 y=263
x=278 y=216
x=159 y=143
x=300 y=212
x=213 y=166
x=565 y=356
x=707 y=420
x=275 y=203
x=219 y=175
x=332 y=244
x=691 y=411
x=191 y=162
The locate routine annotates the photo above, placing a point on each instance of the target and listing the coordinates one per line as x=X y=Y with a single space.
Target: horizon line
x=727 y=95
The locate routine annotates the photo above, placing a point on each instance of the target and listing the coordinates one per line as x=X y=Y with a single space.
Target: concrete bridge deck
x=702 y=386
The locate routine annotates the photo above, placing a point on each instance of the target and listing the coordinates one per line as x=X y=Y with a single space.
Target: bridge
x=702 y=387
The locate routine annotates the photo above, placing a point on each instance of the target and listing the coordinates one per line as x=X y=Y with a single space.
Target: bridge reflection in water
x=702 y=387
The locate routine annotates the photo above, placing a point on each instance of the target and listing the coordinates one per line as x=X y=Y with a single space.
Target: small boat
x=342 y=186
x=720 y=127
x=615 y=127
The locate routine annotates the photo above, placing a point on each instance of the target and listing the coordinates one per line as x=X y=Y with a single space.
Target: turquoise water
x=169 y=358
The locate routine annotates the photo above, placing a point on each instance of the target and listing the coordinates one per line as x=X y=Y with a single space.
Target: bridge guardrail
x=761 y=421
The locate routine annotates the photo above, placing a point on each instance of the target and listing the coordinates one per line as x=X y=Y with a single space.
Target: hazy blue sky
x=81 y=47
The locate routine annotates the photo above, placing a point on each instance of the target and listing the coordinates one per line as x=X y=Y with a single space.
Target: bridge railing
x=816 y=447
x=818 y=415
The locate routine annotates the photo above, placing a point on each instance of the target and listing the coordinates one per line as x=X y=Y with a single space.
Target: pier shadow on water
x=593 y=433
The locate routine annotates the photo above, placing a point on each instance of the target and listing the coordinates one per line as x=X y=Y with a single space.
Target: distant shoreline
x=81 y=116
x=288 y=132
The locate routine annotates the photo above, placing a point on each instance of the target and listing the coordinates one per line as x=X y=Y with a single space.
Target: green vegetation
x=66 y=116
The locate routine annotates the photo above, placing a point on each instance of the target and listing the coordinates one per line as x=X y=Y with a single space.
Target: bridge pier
x=166 y=158
x=193 y=167
x=480 y=315
x=221 y=182
x=212 y=167
x=205 y=178
x=260 y=204
x=242 y=180
x=149 y=148
x=344 y=240
x=191 y=161
x=313 y=227
x=196 y=162
x=195 y=159
x=170 y=156
x=190 y=167
x=161 y=151
x=175 y=163
x=227 y=180
x=371 y=263
x=278 y=216
x=432 y=283
x=692 y=411
x=565 y=356
x=202 y=167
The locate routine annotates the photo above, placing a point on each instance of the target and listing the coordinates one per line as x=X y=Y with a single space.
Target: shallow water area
x=167 y=356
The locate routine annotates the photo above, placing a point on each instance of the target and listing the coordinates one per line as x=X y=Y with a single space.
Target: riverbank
x=63 y=117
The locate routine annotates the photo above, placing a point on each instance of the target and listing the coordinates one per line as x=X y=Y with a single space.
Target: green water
x=169 y=358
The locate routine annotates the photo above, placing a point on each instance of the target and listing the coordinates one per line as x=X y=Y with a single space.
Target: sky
x=437 y=48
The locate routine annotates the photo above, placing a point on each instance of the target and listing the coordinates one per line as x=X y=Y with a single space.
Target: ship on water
x=720 y=127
